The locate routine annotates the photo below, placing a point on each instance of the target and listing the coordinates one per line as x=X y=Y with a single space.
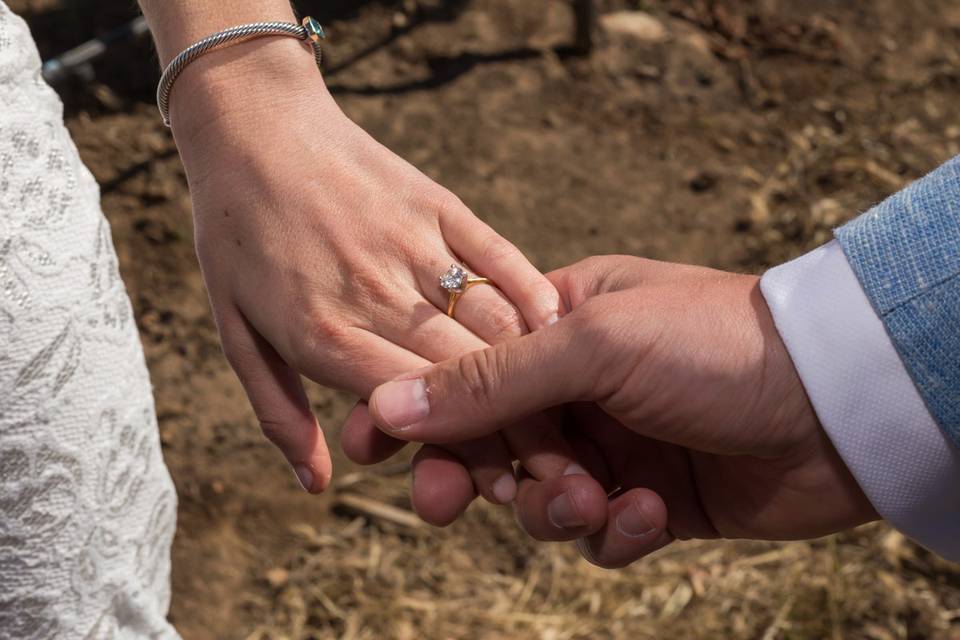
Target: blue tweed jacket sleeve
x=906 y=254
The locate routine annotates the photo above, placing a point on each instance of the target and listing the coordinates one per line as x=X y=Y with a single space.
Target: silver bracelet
x=310 y=30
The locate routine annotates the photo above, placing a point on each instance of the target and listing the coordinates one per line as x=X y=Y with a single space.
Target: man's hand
x=682 y=398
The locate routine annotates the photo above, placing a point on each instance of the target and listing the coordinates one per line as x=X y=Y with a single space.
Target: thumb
x=481 y=392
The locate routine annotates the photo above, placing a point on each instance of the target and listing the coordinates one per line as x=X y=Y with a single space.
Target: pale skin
x=677 y=392
x=321 y=251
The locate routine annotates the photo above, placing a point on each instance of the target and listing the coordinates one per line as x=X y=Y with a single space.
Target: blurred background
x=726 y=133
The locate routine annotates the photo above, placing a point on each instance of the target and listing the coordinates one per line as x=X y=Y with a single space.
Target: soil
x=723 y=133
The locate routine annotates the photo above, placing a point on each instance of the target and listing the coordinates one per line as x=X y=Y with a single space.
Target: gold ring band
x=456 y=295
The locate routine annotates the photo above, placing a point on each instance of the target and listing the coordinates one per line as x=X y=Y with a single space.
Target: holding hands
x=680 y=398
x=675 y=409
x=663 y=405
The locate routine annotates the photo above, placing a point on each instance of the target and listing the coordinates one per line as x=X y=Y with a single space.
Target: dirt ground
x=724 y=133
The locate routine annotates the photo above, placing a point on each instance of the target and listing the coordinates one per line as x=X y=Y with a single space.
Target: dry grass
x=369 y=576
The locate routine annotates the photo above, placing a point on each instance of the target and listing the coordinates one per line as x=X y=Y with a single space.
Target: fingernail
x=553 y=319
x=563 y=514
x=586 y=551
x=633 y=523
x=505 y=489
x=304 y=475
x=575 y=470
x=402 y=403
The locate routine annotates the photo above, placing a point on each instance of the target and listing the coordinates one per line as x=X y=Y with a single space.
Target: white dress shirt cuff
x=865 y=399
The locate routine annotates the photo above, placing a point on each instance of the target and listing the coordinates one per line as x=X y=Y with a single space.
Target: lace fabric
x=87 y=508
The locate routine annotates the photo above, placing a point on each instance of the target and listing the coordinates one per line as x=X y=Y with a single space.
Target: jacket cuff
x=905 y=253
x=865 y=399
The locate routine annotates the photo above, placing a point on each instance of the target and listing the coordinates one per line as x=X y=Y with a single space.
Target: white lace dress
x=87 y=508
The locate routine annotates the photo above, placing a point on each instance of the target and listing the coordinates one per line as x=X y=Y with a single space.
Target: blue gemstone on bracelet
x=314 y=29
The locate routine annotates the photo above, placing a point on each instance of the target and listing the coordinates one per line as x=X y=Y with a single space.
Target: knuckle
x=582 y=280
x=504 y=321
x=597 y=333
x=544 y=297
x=318 y=331
x=597 y=275
x=594 y=277
x=478 y=374
x=370 y=284
x=589 y=264
x=325 y=330
x=495 y=249
x=286 y=430
x=445 y=203
x=542 y=289
x=373 y=287
x=275 y=431
x=589 y=320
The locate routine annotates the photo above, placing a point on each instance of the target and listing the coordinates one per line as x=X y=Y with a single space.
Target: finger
x=486 y=311
x=442 y=489
x=356 y=363
x=277 y=397
x=475 y=395
x=490 y=467
x=431 y=334
x=542 y=449
x=362 y=362
x=597 y=275
x=492 y=256
x=636 y=526
x=481 y=311
x=362 y=442
x=330 y=351
x=538 y=444
x=487 y=461
x=564 y=508
x=439 y=491
x=590 y=455
x=640 y=462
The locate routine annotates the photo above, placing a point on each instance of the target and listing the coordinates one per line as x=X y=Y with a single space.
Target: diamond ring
x=455 y=281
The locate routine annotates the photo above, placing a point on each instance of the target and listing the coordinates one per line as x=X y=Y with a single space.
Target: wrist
x=176 y=24
x=783 y=402
x=788 y=413
x=235 y=89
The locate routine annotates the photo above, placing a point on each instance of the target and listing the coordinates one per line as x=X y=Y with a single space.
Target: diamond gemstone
x=454 y=279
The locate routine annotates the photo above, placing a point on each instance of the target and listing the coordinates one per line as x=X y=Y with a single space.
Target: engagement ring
x=455 y=281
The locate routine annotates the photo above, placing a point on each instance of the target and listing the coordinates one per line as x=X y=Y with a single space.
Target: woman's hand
x=321 y=251
x=685 y=402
